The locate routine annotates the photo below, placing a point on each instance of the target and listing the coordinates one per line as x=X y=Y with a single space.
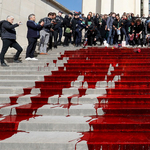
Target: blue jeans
x=123 y=32
x=110 y=37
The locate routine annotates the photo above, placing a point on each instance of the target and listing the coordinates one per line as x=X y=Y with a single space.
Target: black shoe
x=4 y=65
x=59 y=43
x=17 y=61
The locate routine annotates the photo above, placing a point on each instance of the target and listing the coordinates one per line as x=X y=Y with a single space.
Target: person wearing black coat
x=89 y=31
x=55 y=28
x=32 y=35
x=102 y=29
x=92 y=35
x=139 y=33
x=97 y=21
x=124 y=29
x=8 y=36
x=131 y=33
x=116 y=29
x=74 y=23
x=60 y=18
x=67 y=29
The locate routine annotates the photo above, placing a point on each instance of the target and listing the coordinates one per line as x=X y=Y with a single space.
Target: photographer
x=54 y=28
x=9 y=39
x=45 y=34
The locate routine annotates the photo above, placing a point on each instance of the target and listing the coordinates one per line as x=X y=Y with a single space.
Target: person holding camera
x=45 y=34
x=32 y=35
x=8 y=36
x=55 y=28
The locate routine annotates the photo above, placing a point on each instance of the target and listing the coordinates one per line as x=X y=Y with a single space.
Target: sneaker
x=28 y=58
x=144 y=46
x=43 y=54
x=34 y=59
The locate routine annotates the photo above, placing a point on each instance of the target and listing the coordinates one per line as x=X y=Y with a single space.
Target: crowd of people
x=111 y=29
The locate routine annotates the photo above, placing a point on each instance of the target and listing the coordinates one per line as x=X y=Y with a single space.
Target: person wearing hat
x=79 y=27
x=74 y=23
x=60 y=18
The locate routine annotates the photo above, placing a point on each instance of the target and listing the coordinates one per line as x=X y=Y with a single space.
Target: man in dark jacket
x=74 y=23
x=60 y=18
x=9 y=39
x=32 y=36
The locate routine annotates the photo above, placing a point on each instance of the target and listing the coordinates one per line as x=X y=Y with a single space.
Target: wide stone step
x=18 y=83
x=42 y=141
x=51 y=110
x=23 y=72
x=45 y=123
x=69 y=140
x=10 y=90
x=36 y=68
x=22 y=77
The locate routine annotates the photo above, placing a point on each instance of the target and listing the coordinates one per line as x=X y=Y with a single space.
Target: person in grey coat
x=109 y=23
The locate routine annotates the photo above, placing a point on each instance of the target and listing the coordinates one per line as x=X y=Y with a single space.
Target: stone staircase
x=87 y=99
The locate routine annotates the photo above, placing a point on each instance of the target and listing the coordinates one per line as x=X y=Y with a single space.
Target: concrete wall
x=119 y=6
x=20 y=9
x=89 y=5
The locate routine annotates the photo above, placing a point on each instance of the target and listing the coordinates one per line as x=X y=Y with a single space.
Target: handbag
x=68 y=30
x=118 y=32
x=132 y=37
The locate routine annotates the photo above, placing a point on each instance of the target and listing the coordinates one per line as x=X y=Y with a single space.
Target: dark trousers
x=78 y=37
x=124 y=32
x=50 y=41
x=55 y=34
x=31 y=47
x=60 y=34
x=74 y=36
x=10 y=43
x=66 y=40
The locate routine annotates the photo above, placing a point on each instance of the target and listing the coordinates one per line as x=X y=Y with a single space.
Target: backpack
x=1 y=23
